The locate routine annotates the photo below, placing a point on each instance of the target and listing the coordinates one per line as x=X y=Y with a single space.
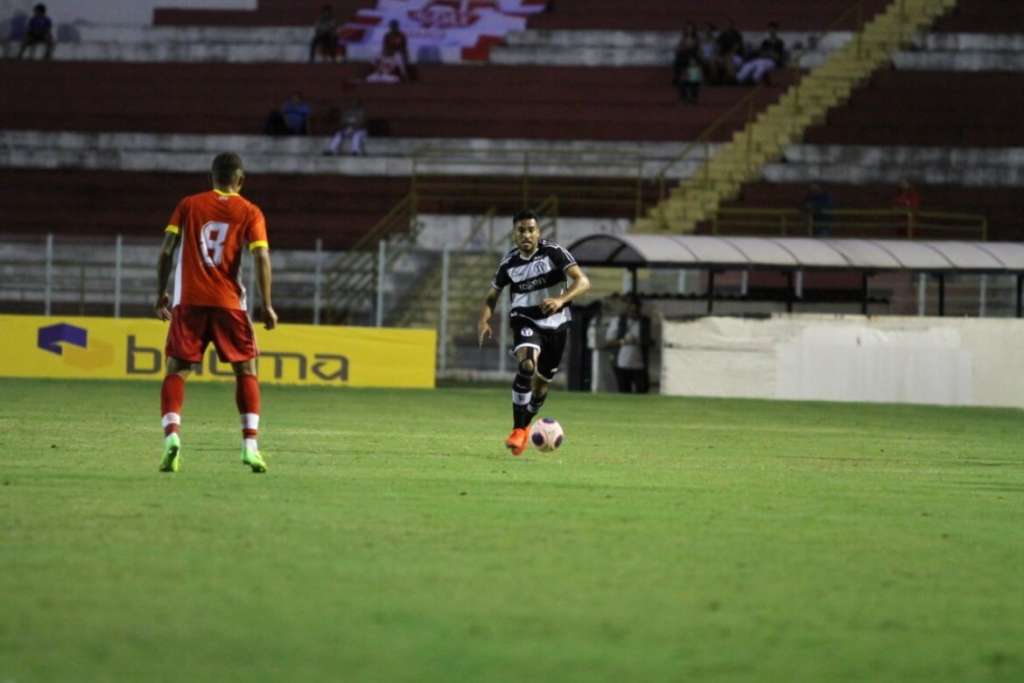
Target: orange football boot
x=518 y=440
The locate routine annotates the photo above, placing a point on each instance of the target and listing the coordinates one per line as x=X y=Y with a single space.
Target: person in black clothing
x=38 y=31
x=325 y=35
x=730 y=53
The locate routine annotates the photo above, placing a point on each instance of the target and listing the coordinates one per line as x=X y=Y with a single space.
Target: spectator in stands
x=907 y=197
x=687 y=48
x=629 y=338
x=353 y=128
x=395 y=47
x=730 y=53
x=771 y=56
x=325 y=35
x=291 y=119
x=38 y=31
x=708 y=44
x=689 y=86
x=817 y=207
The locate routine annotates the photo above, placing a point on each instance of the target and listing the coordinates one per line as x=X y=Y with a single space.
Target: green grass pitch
x=394 y=540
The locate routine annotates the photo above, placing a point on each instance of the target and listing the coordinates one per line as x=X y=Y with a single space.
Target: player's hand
x=550 y=306
x=483 y=329
x=269 y=317
x=163 y=311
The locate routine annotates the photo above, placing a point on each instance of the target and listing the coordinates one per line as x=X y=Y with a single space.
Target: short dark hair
x=39 y=9
x=225 y=168
x=525 y=215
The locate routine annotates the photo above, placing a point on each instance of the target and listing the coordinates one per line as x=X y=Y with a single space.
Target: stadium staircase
x=807 y=102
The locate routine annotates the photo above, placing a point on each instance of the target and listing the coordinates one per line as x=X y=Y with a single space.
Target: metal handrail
x=797 y=221
x=621 y=170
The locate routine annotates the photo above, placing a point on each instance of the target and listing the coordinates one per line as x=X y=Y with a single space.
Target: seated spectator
x=396 y=48
x=291 y=119
x=771 y=55
x=325 y=35
x=817 y=207
x=708 y=43
x=689 y=86
x=729 y=55
x=907 y=197
x=38 y=31
x=687 y=47
x=386 y=71
x=353 y=128
x=775 y=46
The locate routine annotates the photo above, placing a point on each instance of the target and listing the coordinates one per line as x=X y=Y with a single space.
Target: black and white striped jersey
x=531 y=280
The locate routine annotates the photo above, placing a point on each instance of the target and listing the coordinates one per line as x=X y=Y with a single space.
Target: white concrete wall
x=946 y=361
x=116 y=11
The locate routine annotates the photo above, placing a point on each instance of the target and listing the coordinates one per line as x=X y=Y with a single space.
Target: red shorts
x=194 y=327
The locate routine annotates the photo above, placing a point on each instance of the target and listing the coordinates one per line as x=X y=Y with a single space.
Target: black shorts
x=550 y=344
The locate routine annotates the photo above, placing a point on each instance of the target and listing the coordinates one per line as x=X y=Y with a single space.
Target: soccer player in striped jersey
x=536 y=272
x=209 y=230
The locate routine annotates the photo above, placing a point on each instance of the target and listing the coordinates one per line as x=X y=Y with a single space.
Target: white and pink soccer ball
x=546 y=435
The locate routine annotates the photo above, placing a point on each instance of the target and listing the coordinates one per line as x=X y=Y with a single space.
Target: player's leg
x=247 y=398
x=526 y=350
x=172 y=397
x=235 y=341
x=552 y=348
x=185 y=345
x=522 y=390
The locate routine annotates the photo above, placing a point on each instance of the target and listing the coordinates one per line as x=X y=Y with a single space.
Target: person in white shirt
x=628 y=337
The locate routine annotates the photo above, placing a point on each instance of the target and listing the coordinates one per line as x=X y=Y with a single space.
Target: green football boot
x=172 y=447
x=252 y=458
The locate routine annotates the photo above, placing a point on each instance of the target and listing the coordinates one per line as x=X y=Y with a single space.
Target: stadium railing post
x=922 y=294
x=318 y=280
x=442 y=333
x=503 y=336
x=982 y=294
x=118 y=265
x=251 y=282
x=48 y=293
x=382 y=254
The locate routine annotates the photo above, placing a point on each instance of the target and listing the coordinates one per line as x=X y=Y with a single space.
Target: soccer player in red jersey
x=208 y=230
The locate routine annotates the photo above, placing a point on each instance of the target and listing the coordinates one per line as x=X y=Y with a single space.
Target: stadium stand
x=267 y=13
x=655 y=15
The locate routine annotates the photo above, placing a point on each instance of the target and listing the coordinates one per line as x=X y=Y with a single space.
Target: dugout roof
x=713 y=252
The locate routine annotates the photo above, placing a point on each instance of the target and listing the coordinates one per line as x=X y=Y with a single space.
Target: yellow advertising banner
x=120 y=348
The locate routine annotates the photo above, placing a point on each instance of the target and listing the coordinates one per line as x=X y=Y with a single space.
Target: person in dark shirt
x=396 y=47
x=38 y=31
x=774 y=46
x=817 y=207
x=325 y=35
x=730 y=53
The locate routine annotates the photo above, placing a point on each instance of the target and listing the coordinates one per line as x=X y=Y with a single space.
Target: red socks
x=172 y=395
x=247 y=397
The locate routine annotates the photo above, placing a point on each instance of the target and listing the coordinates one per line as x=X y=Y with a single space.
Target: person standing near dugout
x=208 y=230
x=535 y=272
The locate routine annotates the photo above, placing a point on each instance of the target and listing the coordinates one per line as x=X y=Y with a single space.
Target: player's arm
x=163 y=273
x=580 y=286
x=483 y=326
x=261 y=257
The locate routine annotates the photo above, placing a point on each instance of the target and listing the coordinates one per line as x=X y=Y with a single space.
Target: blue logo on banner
x=52 y=336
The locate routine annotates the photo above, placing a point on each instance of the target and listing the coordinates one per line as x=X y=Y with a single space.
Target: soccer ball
x=546 y=435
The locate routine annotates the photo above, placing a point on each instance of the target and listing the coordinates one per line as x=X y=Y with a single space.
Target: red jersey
x=213 y=226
